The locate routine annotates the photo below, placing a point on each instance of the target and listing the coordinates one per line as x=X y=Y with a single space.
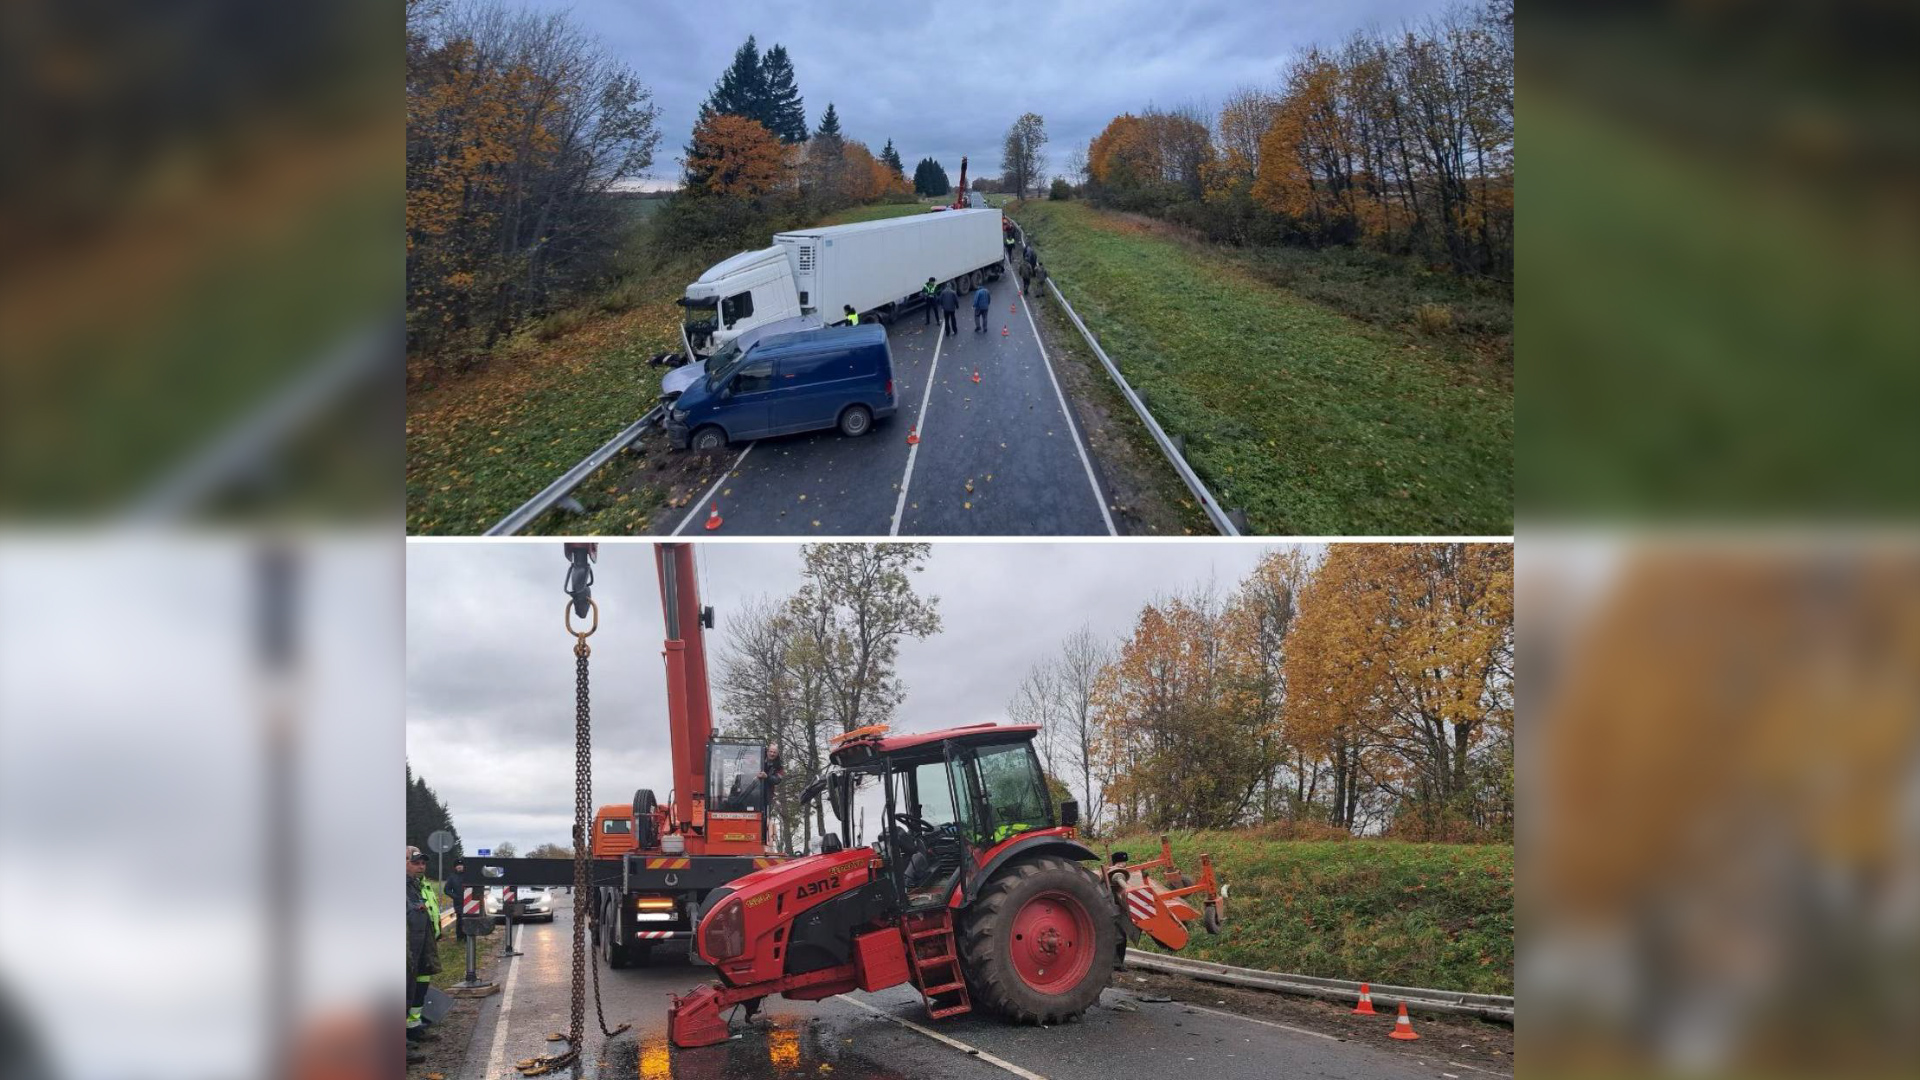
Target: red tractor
x=976 y=891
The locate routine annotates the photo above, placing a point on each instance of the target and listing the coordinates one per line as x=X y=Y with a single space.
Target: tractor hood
x=754 y=907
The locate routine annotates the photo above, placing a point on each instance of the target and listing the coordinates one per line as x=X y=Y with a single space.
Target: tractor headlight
x=723 y=934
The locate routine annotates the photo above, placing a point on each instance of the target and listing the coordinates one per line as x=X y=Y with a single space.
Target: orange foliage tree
x=1400 y=674
x=734 y=156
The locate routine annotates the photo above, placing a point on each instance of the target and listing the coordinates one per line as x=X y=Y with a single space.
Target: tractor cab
x=949 y=799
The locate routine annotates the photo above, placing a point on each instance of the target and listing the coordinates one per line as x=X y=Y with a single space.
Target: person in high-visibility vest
x=423 y=934
x=929 y=293
x=1009 y=243
x=853 y=317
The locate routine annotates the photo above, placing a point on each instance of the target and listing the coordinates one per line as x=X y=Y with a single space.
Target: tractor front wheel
x=1039 y=941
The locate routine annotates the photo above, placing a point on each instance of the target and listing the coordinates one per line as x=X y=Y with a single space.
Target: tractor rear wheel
x=1039 y=941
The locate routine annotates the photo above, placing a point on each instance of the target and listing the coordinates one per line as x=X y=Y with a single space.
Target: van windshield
x=722 y=363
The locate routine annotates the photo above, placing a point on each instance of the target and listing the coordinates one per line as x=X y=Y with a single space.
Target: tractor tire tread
x=991 y=982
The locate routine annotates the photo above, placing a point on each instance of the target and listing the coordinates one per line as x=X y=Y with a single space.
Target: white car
x=529 y=902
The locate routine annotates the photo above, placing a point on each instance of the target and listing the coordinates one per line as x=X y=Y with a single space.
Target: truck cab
x=750 y=290
x=613 y=834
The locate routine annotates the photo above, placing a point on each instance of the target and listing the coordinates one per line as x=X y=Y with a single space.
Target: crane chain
x=582 y=798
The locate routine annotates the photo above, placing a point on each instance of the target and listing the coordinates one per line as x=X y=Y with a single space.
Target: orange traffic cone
x=713 y=517
x=1365 y=1008
x=1003 y=331
x=1012 y=309
x=1403 y=1027
x=913 y=435
x=976 y=374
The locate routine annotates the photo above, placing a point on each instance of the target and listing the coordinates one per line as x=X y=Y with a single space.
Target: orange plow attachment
x=1163 y=910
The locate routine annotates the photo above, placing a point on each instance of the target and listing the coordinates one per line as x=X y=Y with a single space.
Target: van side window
x=753 y=376
x=736 y=307
x=799 y=367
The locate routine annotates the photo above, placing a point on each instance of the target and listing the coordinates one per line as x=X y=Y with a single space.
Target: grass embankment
x=482 y=442
x=1313 y=421
x=1435 y=915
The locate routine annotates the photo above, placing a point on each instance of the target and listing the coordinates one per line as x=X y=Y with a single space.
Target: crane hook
x=580 y=558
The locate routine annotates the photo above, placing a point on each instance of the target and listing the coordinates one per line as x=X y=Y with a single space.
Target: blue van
x=839 y=376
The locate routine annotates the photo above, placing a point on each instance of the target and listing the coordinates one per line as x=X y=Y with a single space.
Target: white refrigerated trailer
x=808 y=277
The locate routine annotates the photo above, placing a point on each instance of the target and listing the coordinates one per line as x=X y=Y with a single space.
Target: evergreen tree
x=742 y=89
x=937 y=181
x=829 y=124
x=892 y=159
x=425 y=814
x=786 y=116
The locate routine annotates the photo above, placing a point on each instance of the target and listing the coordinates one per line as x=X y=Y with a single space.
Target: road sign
x=484 y=852
x=441 y=841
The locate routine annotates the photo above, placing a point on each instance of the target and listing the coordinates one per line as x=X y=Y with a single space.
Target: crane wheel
x=1039 y=941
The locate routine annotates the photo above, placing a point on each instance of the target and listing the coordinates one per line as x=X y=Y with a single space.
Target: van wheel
x=856 y=421
x=707 y=440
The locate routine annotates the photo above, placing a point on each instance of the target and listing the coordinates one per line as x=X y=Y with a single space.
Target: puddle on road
x=786 y=1048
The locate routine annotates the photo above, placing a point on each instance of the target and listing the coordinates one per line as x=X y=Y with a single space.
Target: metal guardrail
x=1218 y=516
x=1487 y=1006
x=574 y=477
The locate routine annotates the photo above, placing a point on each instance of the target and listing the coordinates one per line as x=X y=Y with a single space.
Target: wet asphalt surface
x=1007 y=438
x=851 y=1038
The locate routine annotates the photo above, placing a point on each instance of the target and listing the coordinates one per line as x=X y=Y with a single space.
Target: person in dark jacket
x=982 y=300
x=455 y=882
x=1026 y=271
x=423 y=934
x=771 y=773
x=949 y=303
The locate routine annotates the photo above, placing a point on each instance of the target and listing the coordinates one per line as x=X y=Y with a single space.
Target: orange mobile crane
x=655 y=862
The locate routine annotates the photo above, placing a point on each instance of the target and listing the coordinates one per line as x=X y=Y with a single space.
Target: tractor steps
x=935 y=960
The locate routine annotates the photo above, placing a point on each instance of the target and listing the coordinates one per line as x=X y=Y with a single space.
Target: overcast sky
x=946 y=79
x=490 y=668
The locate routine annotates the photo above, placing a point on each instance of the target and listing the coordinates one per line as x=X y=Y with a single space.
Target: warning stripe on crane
x=657 y=935
x=471 y=906
x=668 y=864
x=1140 y=903
x=762 y=864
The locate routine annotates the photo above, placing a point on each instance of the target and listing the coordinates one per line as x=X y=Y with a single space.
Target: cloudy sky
x=490 y=668
x=947 y=79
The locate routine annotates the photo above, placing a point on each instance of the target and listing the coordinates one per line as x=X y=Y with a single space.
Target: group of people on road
x=945 y=299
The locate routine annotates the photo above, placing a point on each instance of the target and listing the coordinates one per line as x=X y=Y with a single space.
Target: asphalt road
x=1000 y=457
x=887 y=1036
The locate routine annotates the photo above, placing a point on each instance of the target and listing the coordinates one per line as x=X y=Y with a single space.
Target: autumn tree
x=1020 y=157
x=734 y=156
x=761 y=684
x=518 y=125
x=550 y=850
x=1059 y=694
x=1400 y=672
x=855 y=605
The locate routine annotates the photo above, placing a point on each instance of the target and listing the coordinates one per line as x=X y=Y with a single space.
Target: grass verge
x=1314 y=422
x=1434 y=915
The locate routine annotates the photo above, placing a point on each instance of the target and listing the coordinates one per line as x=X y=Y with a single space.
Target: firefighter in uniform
x=423 y=934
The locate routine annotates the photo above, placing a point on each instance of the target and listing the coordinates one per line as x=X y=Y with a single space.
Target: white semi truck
x=809 y=277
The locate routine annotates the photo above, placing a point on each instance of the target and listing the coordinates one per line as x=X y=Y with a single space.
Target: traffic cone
x=1003 y=331
x=1403 y=1027
x=713 y=517
x=1365 y=1008
x=913 y=434
x=1013 y=309
x=976 y=374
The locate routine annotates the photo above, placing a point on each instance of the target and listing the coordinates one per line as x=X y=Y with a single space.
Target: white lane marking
x=499 y=1050
x=900 y=504
x=973 y=1051
x=1067 y=415
x=708 y=499
x=1268 y=1023
x=1478 y=1069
